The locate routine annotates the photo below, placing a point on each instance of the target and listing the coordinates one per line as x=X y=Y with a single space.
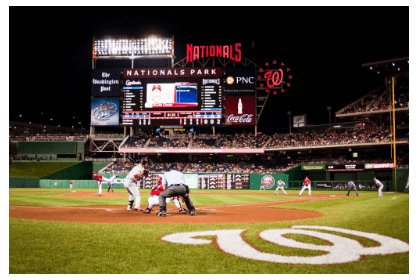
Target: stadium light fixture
x=132 y=48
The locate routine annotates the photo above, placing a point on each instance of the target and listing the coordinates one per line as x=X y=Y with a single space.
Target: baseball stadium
x=197 y=149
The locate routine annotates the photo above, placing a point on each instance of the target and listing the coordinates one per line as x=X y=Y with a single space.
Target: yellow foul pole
x=393 y=107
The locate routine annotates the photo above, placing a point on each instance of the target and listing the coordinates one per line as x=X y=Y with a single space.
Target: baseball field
x=63 y=231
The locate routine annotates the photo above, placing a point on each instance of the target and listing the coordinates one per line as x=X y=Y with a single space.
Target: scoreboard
x=168 y=96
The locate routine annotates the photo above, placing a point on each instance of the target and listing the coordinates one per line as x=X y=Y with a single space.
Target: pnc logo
x=230 y=80
x=341 y=250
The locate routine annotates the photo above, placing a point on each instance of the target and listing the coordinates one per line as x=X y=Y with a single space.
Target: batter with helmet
x=153 y=200
x=137 y=173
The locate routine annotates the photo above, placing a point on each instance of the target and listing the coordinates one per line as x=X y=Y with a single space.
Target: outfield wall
x=81 y=174
x=79 y=171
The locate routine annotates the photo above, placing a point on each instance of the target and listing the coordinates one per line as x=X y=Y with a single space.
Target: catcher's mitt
x=146 y=173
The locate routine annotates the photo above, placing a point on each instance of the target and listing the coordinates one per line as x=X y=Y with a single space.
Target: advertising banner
x=104 y=111
x=240 y=110
x=344 y=167
x=324 y=185
x=268 y=181
x=313 y=167
x=378 y=165
x=237 y=181
x=191 y=180
x=105 y=83
x=211 y=181
x=240 y=81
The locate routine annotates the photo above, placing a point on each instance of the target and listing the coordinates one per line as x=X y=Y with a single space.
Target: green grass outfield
x=59 y=247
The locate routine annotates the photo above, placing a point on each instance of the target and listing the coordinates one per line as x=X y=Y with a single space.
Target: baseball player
x=306 y=185
x=110 y=182
x=71 y=185
x=99 y=180
x=380 y=186
x=130 y=183
x=153 y=200
x=280 y=186
x=174 y=185
x=351 y=186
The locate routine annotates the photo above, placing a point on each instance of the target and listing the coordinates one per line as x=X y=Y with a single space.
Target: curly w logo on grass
x=342 y=250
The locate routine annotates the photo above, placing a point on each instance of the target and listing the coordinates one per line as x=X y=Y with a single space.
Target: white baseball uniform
x=130 y=183
x=380 y=187
x=280 y=186
x=154 y=201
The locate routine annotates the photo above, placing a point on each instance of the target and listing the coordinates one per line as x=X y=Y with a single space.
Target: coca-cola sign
x=245 y=118
x=240 y=110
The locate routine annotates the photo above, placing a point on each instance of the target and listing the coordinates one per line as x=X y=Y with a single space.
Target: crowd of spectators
x=48 y=138
x=249 y=140
x=135 y=142
x=377 y=101
x=368 y=133
x=118 y=167
x=161 y=142
x=372 y=134
x=31 y=157
x=240 y=167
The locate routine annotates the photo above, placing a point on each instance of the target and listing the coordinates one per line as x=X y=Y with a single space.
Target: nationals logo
x=276 y=77
x=267 y=181
x=341 y=250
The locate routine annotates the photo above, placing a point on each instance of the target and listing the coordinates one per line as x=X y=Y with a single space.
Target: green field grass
x=58 y=247
x=36 y=169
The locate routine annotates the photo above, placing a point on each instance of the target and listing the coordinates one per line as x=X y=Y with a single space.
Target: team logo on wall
x=342 y=249
x=267 y=181
x=105 y=111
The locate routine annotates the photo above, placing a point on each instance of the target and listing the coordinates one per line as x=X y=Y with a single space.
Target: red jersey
x=156 y=191
x=98 y=177
x=306 y=182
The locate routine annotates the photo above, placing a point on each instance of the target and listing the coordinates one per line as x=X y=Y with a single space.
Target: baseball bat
x=132 y=160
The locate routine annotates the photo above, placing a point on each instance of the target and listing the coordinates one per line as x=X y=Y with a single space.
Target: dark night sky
x=50 y=70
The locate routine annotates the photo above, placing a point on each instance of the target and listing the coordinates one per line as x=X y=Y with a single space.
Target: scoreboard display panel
x=168 y=96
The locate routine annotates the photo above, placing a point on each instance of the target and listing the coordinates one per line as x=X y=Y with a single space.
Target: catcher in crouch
x=153 y=200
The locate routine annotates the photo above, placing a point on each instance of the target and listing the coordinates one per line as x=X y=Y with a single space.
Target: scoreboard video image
x=172 y=95
x=188 y=98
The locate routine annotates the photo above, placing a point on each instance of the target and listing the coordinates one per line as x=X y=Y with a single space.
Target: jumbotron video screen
x=170 y=96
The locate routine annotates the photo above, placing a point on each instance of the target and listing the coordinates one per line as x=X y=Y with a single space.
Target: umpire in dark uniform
x=174 y=185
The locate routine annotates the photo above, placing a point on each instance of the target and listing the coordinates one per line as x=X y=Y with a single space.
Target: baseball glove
x=146 y=173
